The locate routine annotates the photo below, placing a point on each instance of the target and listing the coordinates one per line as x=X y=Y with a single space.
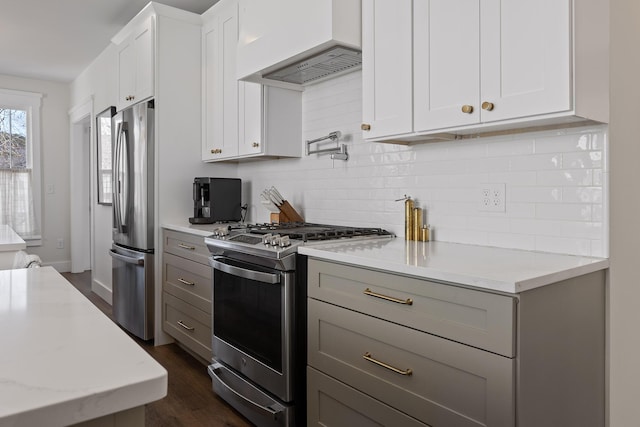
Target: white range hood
x=291 y=43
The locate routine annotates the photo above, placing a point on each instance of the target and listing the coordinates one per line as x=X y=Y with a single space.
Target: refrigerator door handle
x=121 y=188
x=130 y=260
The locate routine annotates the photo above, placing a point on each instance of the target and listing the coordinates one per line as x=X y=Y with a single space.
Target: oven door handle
x=258 y=276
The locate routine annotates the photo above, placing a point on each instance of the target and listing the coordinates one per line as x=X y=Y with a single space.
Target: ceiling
x=56 y=39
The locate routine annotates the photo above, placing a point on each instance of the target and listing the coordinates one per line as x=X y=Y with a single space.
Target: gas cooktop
x=279 y=240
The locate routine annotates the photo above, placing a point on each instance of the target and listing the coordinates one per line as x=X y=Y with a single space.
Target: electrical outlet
x=492 y=197
x=60 y=243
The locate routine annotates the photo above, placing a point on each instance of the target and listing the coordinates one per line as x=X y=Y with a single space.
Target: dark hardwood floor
x=190 y=400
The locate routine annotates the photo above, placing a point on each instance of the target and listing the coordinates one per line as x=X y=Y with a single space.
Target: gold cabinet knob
x=255 y=145
x=467 y=109
x=487 y=106
x=365 y=126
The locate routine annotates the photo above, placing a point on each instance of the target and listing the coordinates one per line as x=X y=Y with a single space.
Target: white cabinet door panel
x=387 y=70
x=251 y=107
x=144 y=54
x=220 y=105
x=446 y=63
x=526 y=57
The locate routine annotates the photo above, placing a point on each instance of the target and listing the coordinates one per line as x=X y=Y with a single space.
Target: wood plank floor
x=190 y=402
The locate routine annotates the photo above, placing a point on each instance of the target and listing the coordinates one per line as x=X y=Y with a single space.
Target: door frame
x=80 y=244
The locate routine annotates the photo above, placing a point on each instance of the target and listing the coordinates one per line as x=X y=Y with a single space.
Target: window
x=20 y=162
x=103 y=122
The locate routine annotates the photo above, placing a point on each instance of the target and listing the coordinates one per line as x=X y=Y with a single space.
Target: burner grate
x=316 y=232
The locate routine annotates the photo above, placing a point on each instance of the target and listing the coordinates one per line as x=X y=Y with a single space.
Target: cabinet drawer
x=334 y=404
x=187 y=246
x=449 y=384
x=187 y=324
x=480 y=319
x=189 y=281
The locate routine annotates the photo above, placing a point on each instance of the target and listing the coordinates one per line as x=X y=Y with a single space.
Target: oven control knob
x=266 y=239
x=284 y=242
x=275 y=240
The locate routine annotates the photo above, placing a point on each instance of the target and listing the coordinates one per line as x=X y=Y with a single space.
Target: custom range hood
x=292 y=43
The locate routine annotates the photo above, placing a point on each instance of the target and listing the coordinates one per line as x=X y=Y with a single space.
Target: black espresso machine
x=216 y=200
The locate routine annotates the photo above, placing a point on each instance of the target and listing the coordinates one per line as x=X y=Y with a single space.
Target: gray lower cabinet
x=187 y=291
x=391 y=350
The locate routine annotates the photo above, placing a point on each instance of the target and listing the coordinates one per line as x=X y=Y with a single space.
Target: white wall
x=556 y=181
x=55 y=167
x=99 y=81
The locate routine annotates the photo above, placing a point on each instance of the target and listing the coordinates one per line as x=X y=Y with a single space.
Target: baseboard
x=102 y=291
x=60 y=266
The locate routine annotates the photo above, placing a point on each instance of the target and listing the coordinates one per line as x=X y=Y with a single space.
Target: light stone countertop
x=203 y=230
x=504 y=270
x=62 y=361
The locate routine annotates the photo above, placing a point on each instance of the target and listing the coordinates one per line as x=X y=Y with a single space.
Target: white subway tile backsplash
x=568 y=212
x=566 y=177
x=583 y=160
x=555 y=180
x=563 y=141
x=536 y=162
x=582 y=195
x=563 y=245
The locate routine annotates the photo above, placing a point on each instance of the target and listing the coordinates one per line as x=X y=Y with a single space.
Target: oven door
x=252 y=323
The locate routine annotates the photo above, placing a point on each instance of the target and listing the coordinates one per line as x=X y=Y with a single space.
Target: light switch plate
x=492 y=197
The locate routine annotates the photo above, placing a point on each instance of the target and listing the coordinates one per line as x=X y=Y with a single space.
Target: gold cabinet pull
x=183 y=246
x=467 y=109
x=255 y=145
x=365 y=126
x=369 y=358
x=185 y=326
x=185 y=282
x=369 y=292
x=216 y=151
x=487 y=106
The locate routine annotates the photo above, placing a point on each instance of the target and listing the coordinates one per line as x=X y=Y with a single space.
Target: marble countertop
x=62 y=361
x=504 y=270
x=203 y=230
x=9 y=240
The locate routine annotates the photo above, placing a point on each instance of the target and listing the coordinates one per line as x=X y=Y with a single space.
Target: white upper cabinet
x=447 y=63
x=525 y=58
x=386 y=62
x=136 y=65
x=219 y=83
x=242 y=119
x=481 y=66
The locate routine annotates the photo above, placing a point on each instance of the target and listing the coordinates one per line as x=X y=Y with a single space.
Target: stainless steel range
x=259 y=316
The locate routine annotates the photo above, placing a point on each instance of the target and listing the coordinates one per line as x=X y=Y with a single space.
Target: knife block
x=287 y=214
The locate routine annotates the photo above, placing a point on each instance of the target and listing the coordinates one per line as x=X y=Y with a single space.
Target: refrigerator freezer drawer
x=133 y=291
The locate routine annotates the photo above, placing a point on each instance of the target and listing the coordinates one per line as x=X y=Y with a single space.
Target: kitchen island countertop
x=62 y=360
x=498 y=269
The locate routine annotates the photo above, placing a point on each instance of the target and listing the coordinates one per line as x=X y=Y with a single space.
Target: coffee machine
x=216 y=199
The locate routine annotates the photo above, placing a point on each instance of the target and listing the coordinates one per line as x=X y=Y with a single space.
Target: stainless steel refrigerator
x=133 y=221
